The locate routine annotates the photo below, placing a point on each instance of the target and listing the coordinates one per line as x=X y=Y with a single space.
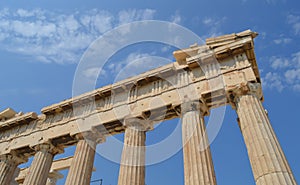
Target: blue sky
x=41 y=44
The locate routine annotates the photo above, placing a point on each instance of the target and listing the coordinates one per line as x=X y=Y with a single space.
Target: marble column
x=198 y=166
x=41 y=164
x=82 y=164
x=53 y=177
x=15 y=175
x=8 y=166
x=267 y=159
x=132 y=167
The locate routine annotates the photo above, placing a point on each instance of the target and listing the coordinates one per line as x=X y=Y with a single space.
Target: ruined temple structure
x=223 y=71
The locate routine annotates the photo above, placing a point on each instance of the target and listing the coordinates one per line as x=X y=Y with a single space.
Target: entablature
x=206 y=75
x=19 y=119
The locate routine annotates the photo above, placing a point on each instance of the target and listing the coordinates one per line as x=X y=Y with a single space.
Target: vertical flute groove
x=40 y=166
x=132 y=168
x=268 y=162
x=8 y=165
x=82 y=164
x=198 y=166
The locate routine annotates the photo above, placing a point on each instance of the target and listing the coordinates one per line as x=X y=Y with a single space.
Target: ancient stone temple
x=223 y=71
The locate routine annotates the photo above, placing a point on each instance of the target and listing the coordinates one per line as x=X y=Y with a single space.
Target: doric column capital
x=93 y=136
x=13 y=158
x=48 y=148
x=138 y=124
x=244 y=89
x=189 y=106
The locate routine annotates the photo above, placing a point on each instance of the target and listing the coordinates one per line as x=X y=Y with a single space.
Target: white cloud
x=294 y=20
x=214 y=21
x=127 y=16
x=292 y=75
x=102 y=22
x=132 y=59
x=135 y=63
x=273 y=81
x=4 y=12
x=24 y=13
x=71 y=23
x=296 y=87
x=46 y=36
x=94 y=73
x=283 y=41
x=214 y=25
x=176 y=18
x=296 y=59
x=208 y=21
x=165 y=49
x=285 y=73
x=278 y=63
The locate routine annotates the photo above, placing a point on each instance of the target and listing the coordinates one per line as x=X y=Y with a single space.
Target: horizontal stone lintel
x=26 y=118
x=236 y=47
x=160 y=93
x=110 y=121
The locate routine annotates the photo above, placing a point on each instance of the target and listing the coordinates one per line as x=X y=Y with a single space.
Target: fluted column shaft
x=15 y=175
x=267 y=159
x=198 y=166
x=40 y=166
x=8 y=166
x=82 y=164
x=132 y=168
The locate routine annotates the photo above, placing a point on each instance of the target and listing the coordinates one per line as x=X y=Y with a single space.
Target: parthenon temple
x=221 y=72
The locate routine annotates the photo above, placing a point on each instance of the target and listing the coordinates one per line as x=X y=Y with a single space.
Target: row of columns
x=198 y=167
x=267 y=160
x=79 y=173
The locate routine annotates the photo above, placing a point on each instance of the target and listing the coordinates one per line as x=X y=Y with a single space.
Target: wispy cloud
x=127 y=16
x=134 y=64
x=285 y=73
x=176 y=18
x=58 y=37
x=93 y=72
x=294 y=21
x=273 y=81
x=283 y=41
x=279 y=62
x=213 y=24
